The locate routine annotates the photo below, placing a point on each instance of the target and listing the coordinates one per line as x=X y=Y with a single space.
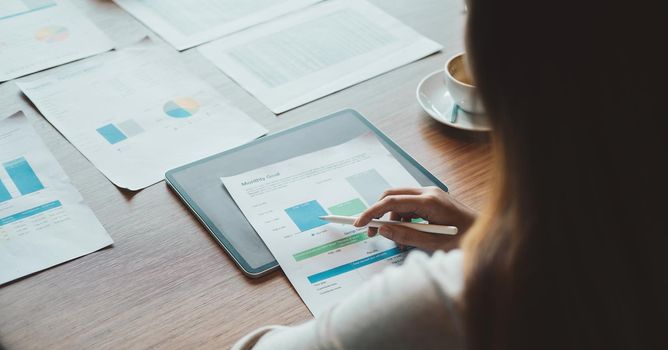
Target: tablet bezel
x=219 y=235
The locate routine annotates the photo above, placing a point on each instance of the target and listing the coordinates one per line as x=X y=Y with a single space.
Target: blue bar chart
x=4 y=193
x=111 y=133
x=23 y=176
x=306 y=215
x=115 y=133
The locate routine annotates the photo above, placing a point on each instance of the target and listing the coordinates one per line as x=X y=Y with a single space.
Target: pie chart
x=182 y=107
x=52 y=34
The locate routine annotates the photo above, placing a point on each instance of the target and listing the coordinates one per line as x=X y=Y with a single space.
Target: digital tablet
x=198 y=184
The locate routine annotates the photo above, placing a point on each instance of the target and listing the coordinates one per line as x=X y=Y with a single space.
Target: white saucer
x=436 y=101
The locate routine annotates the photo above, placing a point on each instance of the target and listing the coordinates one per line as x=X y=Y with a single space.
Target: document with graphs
x=137 y=112
x=43 y=219
x=40 y=34
x=185 y=24
x=325 y=262
x=309 y=54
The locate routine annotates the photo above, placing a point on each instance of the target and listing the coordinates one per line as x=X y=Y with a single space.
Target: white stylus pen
x=429 y=228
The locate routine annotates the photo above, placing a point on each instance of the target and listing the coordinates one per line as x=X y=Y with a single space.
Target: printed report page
x=325 y=262
x=40 y=34
x=138 y=112
x=325 y=48
x=43 y=219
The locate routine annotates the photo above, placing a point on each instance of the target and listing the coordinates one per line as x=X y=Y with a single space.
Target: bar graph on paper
x=177 y=108
x=369 y=185
x=117 y=132
x=18 y=179
x=284 y=202
x=22 y=179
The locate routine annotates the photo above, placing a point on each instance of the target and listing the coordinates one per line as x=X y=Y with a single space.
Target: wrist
x=467 y=219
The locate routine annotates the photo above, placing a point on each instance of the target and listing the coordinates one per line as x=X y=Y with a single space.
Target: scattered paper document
x=43 y=219
x=40 y=34
x=318 y=51
x=138 y=112
x=186 y=24
x=325 y=262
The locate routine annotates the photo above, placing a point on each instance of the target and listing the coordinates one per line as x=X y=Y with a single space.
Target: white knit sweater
x=413 y=306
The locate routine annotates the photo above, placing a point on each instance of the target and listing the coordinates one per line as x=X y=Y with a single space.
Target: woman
x=569 y=252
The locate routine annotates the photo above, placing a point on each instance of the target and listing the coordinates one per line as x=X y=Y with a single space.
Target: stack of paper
x=43 y=219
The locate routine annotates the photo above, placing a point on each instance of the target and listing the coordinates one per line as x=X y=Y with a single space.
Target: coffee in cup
x=460 y=85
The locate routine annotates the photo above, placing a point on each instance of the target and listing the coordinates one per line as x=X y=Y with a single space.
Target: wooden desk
x=166 y=283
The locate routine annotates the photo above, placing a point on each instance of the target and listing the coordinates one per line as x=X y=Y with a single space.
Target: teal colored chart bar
x=23 y=175
x=111 y=133
x=307 y=215
x=4 y=193
x=30 y=212
x=321 y=276
x=349 y=208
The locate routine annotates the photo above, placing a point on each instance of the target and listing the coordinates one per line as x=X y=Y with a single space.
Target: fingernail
x=385 y=231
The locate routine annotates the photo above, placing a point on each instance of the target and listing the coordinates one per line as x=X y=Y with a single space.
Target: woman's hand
x=429 y=203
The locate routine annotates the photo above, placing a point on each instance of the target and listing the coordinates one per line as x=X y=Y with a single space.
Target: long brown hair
x=572 y=251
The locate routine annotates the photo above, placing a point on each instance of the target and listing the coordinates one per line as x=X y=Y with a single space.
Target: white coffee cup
x=460 y=85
